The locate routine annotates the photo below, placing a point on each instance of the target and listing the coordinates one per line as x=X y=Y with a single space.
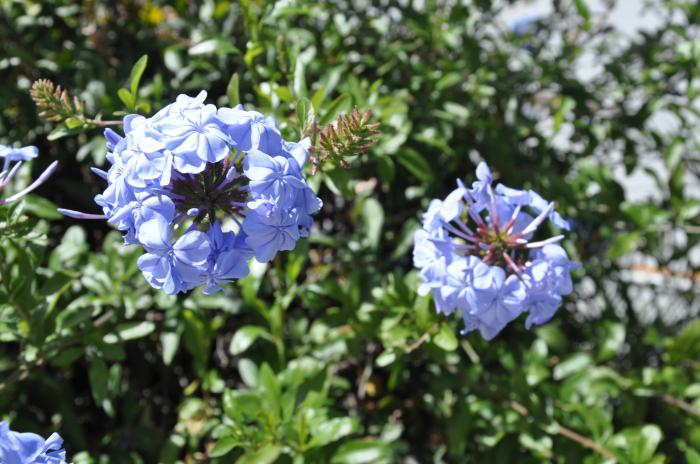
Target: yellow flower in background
x=152 y=14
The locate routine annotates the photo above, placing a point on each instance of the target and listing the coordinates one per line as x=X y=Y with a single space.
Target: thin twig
x=104 y=123
x=687 y=407
x=568 y=433
x=423 y=338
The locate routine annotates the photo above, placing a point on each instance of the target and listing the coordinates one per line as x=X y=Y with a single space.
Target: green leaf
x=623 y=244
x=127 y=98
x=639 y=444
x=197 y=337
x=362 y=452
x=61 y=132
x=244 y=337
x=72 y=249
x=613 y=340
x=223 y=446
x=644 y=215
x=332 y=430
x=67 y=356
x=232 y=90
x=98 y=375
x=270 y=385
x=674 y=154
x=318 y=96
x=415 y=164
x=571 y=365
x=305 y=112
x=41 y=207
x=136 y=73
x=542 y=446
x=584 y=13
x=170 y=342
x=265 y=455
x=337 y=106
x=254 y=49
x=386 y=358
x=74 y=123
x=446 y=338
x=130 y=331
x=217 y=45
x=685 y=345
x=249 y=372
x=299 y=83
x=373 y=219
x=566 y=106
x=692 y=456
x=689 y=209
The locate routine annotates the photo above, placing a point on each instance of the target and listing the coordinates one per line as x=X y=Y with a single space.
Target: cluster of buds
x=57 y=105
x=351 y=135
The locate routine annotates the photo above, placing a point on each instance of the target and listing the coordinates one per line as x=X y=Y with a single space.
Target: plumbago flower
x=13 y=159
x=29 y=448
x=477 y=253
x=202 y=190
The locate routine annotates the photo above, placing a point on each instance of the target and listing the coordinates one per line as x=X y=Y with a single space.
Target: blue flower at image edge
x=29 y=448
x=12 y=160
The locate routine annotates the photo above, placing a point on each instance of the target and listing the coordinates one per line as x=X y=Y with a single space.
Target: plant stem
x=568 y=433
x=105 y=123
x=277 y=311
x=680 y=404
x=423 y=338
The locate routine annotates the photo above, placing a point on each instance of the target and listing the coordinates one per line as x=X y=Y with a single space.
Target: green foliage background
x=328 y=354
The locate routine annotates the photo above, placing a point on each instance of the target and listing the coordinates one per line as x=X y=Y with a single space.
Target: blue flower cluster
x=203 y=190
x=477 y=253
x=12 y=159
x=29 y=448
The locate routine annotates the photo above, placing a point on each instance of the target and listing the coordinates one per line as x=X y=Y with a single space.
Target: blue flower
x=273 y=177
x=18 y=156
x=453 y=205
x=297 y=150
x=195 y=136
x=533 y=200
x=270 y=230
x=113 y=139
x=307 y=203
x=481 y=188
x=549 y=278
x=456 y=286
x=251 y=130
x=430 y=259
x=29 y=448
x=173 y=265
x=228 y=259
x=10 y=154
x=150 y=161
x=525 y=24
x=477 y=252
x=173 y=181
x=494 y=300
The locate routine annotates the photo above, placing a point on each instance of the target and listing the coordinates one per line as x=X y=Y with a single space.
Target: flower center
x=500 y=249
x=219 y=190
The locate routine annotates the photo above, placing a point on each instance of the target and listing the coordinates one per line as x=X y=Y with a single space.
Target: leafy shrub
x=328 y=353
